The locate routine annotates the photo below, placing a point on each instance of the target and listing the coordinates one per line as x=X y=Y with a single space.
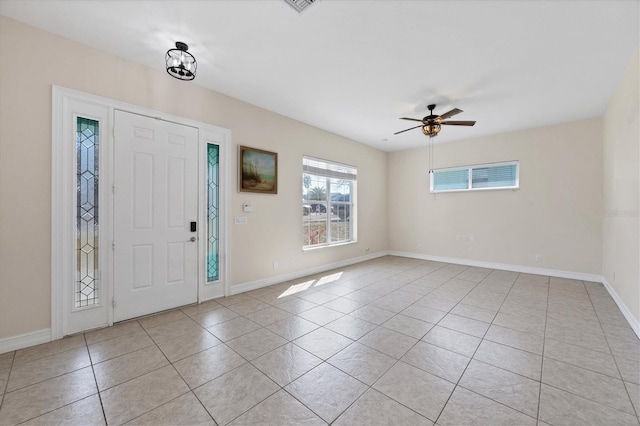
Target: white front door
x=155 y=201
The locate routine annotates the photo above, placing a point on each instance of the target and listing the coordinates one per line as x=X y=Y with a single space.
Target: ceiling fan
x=431 y=123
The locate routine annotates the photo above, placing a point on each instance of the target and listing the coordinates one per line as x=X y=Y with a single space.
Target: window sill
x=513 y=188
x=321 y=246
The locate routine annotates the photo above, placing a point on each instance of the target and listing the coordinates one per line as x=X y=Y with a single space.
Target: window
x=87 y=288
x=328 y=200
x=480 y=177
x=213 y=241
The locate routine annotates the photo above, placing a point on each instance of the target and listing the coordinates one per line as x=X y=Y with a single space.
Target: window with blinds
x=480 y=177
x=328 y=201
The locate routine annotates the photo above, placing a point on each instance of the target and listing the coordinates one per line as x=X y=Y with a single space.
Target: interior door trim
x=67 y=102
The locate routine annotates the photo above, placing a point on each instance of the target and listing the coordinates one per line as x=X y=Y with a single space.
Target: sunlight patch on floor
x=297 y=288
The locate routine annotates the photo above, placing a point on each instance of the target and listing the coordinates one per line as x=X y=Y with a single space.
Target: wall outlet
x=538 y=258
x=247 y=207
x=241 y=220
x=275 y=264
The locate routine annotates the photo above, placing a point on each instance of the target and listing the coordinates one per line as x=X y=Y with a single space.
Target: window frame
x=97 y=244
x=470 y=170
x=212 y=221
x=329 y=203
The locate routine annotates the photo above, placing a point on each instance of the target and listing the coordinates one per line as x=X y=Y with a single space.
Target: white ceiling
x=354 y=67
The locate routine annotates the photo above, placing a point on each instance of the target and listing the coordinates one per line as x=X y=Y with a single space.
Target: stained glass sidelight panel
x=87 y=286
x=213 y=161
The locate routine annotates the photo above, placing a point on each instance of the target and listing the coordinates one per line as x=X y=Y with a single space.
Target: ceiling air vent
x=300 y=5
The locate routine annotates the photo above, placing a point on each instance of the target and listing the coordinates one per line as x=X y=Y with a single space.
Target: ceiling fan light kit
x=431 y=130
x=431 y=124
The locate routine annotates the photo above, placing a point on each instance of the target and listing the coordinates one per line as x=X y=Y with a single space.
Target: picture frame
x=257 y=171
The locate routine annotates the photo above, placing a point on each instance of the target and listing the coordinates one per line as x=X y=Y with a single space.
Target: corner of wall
x=621 y=192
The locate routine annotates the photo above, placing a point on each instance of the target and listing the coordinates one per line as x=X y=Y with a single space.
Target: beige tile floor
x=389 y=341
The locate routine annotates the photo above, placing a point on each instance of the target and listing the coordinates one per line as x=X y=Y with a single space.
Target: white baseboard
x=633 y=322
x=25 y=340
x=503 y=266
x=253 y=285
x=44 y=336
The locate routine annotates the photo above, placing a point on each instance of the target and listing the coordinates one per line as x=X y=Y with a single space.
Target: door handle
x=191 y=240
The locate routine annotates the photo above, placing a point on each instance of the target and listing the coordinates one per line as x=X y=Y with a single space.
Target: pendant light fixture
x=180 y=63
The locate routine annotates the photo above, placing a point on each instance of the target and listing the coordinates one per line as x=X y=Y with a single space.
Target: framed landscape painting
x=258 y=171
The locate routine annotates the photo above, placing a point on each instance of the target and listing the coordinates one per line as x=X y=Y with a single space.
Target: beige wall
x=43 y=60
x=621 y=156
x=556 y=213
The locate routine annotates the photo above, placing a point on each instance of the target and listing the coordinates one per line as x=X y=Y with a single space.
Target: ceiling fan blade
x=459 y=123
x=412 y=119
x=451 y=113
x=406 y=130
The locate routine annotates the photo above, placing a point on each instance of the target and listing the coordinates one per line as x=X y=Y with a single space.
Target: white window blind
x=478 y=177
x=447 y=180
x=328 y=169
x=494 y=176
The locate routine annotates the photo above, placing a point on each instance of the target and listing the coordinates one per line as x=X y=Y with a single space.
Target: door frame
x=66 y=105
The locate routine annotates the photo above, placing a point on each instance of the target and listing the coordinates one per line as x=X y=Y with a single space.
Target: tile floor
x=389 y=341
